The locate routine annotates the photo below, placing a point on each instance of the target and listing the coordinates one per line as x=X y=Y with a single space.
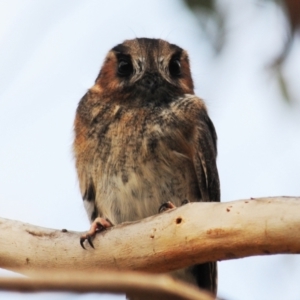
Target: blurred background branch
x=213 y=19
x=139 y=284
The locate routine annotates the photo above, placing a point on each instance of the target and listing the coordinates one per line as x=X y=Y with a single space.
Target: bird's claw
x=166 y=206
x=98 y=225
x=86 y=238
x=169 y=205
x=185 y=201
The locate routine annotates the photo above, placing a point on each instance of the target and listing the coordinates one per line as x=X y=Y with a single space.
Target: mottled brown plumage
x=143 y=138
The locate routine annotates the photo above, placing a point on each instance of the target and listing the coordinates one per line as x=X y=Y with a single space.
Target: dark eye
x=175 y=67
x=125 y=68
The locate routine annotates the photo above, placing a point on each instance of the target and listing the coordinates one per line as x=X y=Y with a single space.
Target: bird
x=144 y=142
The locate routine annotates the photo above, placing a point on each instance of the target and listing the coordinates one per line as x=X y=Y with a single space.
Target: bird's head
x=145 y=70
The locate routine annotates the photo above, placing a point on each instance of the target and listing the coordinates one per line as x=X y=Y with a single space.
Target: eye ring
x=125 y=67
x=175 y=67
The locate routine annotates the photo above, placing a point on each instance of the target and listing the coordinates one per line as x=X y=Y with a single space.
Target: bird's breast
x=141 y=160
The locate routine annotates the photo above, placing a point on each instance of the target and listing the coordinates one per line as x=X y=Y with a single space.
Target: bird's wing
x=204 y=158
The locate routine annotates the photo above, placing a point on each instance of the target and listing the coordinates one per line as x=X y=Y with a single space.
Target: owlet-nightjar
x=142 y=139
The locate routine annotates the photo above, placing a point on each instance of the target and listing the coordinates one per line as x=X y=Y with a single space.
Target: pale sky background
x=50 y=54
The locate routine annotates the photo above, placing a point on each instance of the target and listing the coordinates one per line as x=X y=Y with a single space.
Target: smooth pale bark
x=193 y=233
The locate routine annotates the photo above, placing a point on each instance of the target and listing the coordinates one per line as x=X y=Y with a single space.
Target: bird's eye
x=125 y=68
x=175 y=67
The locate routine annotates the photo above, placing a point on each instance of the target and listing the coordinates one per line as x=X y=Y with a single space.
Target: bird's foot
x=98 y=225
x=169 y=205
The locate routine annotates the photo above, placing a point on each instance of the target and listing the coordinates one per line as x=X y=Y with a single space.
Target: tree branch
x=193 y=233
x=132 y=283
